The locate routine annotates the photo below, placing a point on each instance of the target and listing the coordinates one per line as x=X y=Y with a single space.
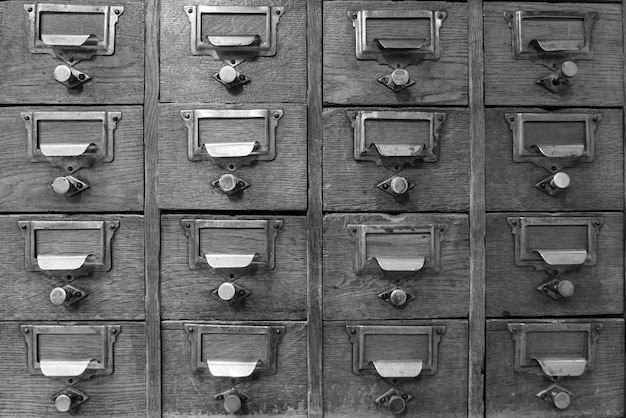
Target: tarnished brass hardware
x=538 y=242
x=66 y=295
x=397 y=80
x=395 y=186
x=70 y=77
x=553 y=359
x=559 y=397
x=554 y=184
x=68 y=186
x=398 y=298
x=68 y=266
x=73 y=369
x=68 y=399
x=556 y=54
x=234 y=400
x=231 y=78
x=395 y=400
x=557 y=289
x=230 y=184
x=231 y=292
x=428 y=259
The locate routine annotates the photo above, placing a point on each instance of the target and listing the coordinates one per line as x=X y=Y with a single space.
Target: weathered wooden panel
x=116 y=294
x=597 y=185
x=28 y=78
x=351 y=81
x=351 y=296
x=512 y=290
x=186 y=393
x=122 y=393
x=281 y=78
x=26 y=186
x=443 y=394
x=275 y=294
x=509 y=81
x=350 y=185
x=280 y=184
x=598 y=393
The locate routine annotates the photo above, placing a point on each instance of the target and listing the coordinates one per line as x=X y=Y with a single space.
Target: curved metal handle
x=234 y=41
x=61 y=262
x=67 y=150
x=234 y=369
x=392 y=264
x=232 y=149
x=401 y=150
x=563 y=257
x=398 y=368
x=402 y=44
x=560 y=367
x=230 y=261
x=562 y=151
x=562 y=45
x=85 y=41
x=64 y=368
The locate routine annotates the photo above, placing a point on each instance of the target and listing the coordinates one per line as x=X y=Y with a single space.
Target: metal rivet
x=595 y=119
x=24 y=227
x=220 y=397
x=276 y=225
x=231 y=166
x=70 y=380
x=30 y=9
x=514 y=329
x=117 y=12
x=405 y=396
x=114 y=331
x=231 y=275
x=186 y=115
x=233 y=62
x=383 y=400
x=353 y=331
x=439 y=332
x=190 y=329
x=277 y=331
x=68 y=277
x=440 y=16
x=26 y=331
x=353 y=15
x=512 y=119
x=277 y=12
x=112 y=226
x=187 y=224
x=189 y=10
x=241 y=183
x=276 y=115
x=597 y=329
x=385 y=80
x=441 y=118
x=26 y=117
x=115 y=118
x=354 y=230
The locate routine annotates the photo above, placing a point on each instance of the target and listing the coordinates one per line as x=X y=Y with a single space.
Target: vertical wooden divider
x=151 y=211
x=476 y=380
x=315 y=211
x=624 y=139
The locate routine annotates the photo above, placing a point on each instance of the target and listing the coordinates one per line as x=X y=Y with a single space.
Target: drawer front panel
x=349 y=394
x=122 y=393
x=29 y=77
x=280 y=78
x=351 y=185
x=509 y=81
x=348 y=80
x=513 y=290
x=273 y=293
x=438 y=291
x=283 y=393
x=278 y=184
x=115 y=185
x=598 y=392
x=114 y=294
x=593 y=185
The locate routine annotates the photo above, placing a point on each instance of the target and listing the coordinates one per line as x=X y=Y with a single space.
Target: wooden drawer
x=598 y=392
x=29 y=77
x=595 y=174
x=441 y=392
x=122 y=393
x=281 y=77
x=277 y=182
x=351 y=185
x=186 y=391
x=512 y=290
x=114 y=179
x=348 y=80
x=277 y=292
x=509 y=81
x=363 y=259
x=115 y=293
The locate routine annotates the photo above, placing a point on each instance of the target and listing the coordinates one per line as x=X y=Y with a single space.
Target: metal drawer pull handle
x=235 y=369
x=232 y=150
x=61 y=262
x=235 y=261
x=64 y=368
x=408 y=44
x=400 y=264
x=234 y=40
x=87 y=41
x=560 y=367
x=561 y=151
x=398 y=368
x=563 y=257
x=67 y=150
x=563 y=45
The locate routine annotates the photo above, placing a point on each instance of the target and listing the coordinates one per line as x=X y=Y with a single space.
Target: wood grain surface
x=512 y=290
x=597 y=185
x=278 y=294
x=511 y=82
x=122 y=393
x=280 y=184
x=116 y=294
x=443 y=394
x=598 y=393
x=186 y=393
x=28 y=77
x=351 y=81
x=281 y=78
x=350 y=185
x=25 y=186
x=351 y=296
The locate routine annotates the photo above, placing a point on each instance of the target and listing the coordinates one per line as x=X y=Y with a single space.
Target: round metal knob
x=398 y=297
x=61 y=185
x=63 y=403
x=232 y=404
x=58 y=296
x=226 y=291
x=565 y=288
x=396 y=405
x=228 y=182
x=560 y=181
x=62 y=73
x=400 y=77
x=561 y=399
x=569 y=69
x=399 y=185
x=228 y=74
